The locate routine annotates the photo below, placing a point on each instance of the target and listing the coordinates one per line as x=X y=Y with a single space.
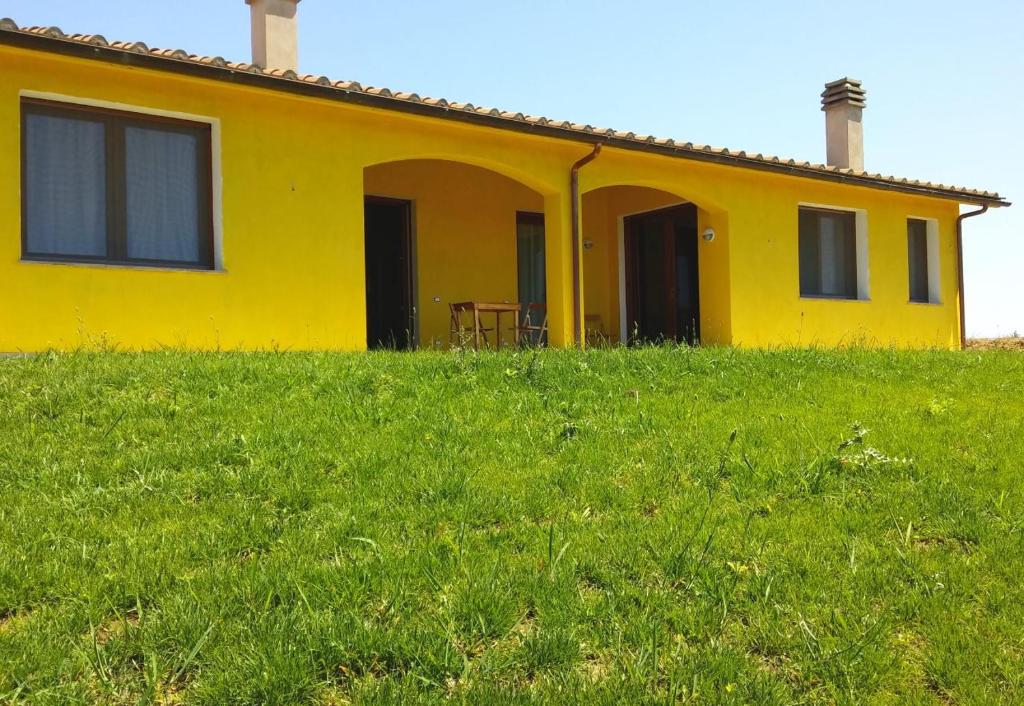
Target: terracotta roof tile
x=621 y=138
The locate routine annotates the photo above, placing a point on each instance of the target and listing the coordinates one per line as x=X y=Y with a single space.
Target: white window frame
x=861 y=228
x=934 y=265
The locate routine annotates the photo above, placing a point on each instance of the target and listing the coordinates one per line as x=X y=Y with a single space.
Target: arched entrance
x=440 y=232
x=656 y=267
x=661 y=284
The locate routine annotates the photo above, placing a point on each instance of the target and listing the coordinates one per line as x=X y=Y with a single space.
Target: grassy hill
x=644 y=526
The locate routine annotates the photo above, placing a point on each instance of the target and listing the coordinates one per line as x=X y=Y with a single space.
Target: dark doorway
x=662 y=292
x=531 y=270
x=390 y=315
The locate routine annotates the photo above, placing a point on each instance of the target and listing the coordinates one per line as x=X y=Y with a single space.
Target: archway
x=465 y=227
x=684 y=274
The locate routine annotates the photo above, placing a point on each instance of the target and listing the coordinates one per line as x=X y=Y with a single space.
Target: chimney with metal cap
x=275 y=34
x=843 y=103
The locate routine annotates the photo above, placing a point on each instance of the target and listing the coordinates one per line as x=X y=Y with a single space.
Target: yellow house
x=153 y=198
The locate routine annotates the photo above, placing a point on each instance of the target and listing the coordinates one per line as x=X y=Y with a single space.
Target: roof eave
x=70 y=47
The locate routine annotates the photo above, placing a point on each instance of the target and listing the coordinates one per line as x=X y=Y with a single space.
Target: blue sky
x=943 y=79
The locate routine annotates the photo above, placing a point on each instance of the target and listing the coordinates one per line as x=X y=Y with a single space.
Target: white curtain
x=162 y=197
x=65 y=186
x=831 y=252
x=838 y=255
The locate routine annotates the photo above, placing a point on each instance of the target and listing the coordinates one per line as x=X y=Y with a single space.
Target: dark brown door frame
x=632 y=267
x=631 y=231
x=410 y=275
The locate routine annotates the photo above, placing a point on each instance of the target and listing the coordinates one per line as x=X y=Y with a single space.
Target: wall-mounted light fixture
x=708 y=235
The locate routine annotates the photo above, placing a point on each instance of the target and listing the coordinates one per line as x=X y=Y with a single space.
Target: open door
x=662 y=283
x=390 y=314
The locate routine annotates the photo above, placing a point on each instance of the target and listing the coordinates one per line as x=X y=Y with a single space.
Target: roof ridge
x=740 y=157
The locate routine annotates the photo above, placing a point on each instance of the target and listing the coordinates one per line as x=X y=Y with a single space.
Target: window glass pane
x=828 y=254
x=162 y=178
x=831 y=252
x=838 y=255
x=530 y=257
x=810 y=259
x=917 y=250
x=65 y=186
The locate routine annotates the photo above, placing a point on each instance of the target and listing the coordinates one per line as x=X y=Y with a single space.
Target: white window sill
x=827 y=298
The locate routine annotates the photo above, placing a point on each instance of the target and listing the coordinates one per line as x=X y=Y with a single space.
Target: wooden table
x=496 y=308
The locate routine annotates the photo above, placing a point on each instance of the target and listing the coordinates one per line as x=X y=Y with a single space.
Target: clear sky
x=944 y=79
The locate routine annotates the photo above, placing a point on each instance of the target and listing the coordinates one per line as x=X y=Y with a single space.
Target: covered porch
x=460 y=254
x=441 y=235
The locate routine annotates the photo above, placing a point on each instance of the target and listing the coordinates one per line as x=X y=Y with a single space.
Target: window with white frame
x=833 y=253
x=923 y=260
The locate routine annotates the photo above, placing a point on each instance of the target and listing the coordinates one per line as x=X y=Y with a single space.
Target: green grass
x=643 y=526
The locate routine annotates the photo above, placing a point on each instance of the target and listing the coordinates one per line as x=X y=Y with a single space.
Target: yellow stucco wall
x=290 y=176
x=767 y=308
x=749 y=275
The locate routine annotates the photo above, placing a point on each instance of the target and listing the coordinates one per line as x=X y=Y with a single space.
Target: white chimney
x=843 y=103
x=275 y=34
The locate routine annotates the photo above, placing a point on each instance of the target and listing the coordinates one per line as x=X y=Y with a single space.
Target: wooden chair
x=533 y=330
x=460 y=335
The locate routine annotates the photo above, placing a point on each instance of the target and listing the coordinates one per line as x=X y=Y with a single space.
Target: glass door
x=530 y=262
x=662 y=284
